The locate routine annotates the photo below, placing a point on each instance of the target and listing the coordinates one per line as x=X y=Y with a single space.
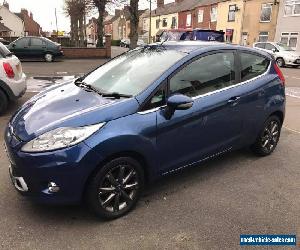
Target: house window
x=292 y=7
x=188 y=20
x=266 y=12
x=289 y=39
x=165 y=22
x=213 y=14
x=263 y=36
x=200 y=16
x=174 y=22
x=157 y=23
x=231 y=13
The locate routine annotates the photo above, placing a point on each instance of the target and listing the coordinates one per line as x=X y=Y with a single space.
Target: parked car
x=126 y=43
x=188 y=34
x=145 y=114
x=284 y=55
x=36 y=47
x=12 y=78
x=3 y=41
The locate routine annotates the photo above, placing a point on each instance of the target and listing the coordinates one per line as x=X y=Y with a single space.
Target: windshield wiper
x=86 y=86
x=116 y=95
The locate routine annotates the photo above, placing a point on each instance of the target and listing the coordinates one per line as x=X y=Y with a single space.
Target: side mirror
x=13 y=45
x=177 y=102
x=274 y=50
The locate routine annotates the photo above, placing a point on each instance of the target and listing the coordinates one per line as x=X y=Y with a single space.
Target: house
x=198 y=14
x=230 y=19
x=11 y=24
x=108 y=25
x=32 y=28
x=144 y=26
x=260 y=20
x=165 y=16
x=92 y=31
x=288 y=24
x=4 y=31
x=246 y=22
x=120 y=26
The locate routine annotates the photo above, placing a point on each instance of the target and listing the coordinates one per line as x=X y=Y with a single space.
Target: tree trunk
x=134 y=23
x=100 y=23
x=81 y=32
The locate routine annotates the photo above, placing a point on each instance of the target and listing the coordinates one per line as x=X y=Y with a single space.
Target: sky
x=44 y=11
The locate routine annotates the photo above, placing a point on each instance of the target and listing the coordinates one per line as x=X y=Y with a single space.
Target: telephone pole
x=56 y=23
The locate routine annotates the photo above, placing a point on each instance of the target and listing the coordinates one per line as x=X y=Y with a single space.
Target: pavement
x=205 y=207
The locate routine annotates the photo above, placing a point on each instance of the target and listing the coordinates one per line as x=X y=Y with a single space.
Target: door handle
x=233 y=100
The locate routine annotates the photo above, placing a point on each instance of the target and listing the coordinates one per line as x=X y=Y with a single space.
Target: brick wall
x=206 y=24
x=76 y=53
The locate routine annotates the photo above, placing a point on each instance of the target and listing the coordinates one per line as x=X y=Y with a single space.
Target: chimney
x=24 y=12
x=31 y=16
x=160 y=3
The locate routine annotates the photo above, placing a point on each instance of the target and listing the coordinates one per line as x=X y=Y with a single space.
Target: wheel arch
x=279 y=114
x=133 y=154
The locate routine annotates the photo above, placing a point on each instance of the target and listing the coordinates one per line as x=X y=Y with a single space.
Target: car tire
x=3 y=102
x=49 y=57
x=268 y=138
x=116 y=188
x=280 y=62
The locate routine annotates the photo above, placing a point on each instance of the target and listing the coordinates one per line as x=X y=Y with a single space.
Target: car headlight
x=60 y=138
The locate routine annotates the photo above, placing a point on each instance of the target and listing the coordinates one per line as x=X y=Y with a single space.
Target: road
x=206 y=207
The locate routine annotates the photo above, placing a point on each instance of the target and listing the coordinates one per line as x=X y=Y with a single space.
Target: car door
x=214 y=123
x=20 y=47
x=37 y=47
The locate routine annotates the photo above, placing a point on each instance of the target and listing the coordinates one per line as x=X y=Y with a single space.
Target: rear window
x=260 y=45
x=253 y=65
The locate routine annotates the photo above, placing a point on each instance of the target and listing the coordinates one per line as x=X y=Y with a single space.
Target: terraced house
x=288 y=25
x=248 y=21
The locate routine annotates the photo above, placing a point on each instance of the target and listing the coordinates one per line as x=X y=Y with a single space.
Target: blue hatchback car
x=147 y=113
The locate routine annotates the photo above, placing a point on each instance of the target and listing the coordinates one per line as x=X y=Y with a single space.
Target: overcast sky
x=44 y=11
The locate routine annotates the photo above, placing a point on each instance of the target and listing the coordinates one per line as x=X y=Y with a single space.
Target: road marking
x=61 y=73
x=292 y=130
x=293 y=92
x=296 y=78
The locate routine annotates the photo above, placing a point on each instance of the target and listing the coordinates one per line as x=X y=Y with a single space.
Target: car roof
x=199 y=47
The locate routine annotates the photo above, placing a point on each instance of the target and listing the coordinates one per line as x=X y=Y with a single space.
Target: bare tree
x=77 y=10
x=134 y=23
x=100 y=5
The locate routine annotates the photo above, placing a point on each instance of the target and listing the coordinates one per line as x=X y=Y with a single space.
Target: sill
x=230 y=21
x=264 y=21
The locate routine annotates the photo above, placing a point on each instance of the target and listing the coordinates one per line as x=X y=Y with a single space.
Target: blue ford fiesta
x=144 y=114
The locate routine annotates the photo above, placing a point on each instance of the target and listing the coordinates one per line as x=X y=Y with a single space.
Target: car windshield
x=4 y=50
x=134 y=71
x=285 y=47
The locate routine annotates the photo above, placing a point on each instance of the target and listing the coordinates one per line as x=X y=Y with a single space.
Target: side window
x=36 y=42
x=252 y=65
x=260 y=45
x=157 y=100
x=269 y=46
x=206 y=74
x=21 y=43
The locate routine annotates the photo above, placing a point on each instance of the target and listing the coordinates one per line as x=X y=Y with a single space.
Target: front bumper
x=293 y=62
x=69 y=169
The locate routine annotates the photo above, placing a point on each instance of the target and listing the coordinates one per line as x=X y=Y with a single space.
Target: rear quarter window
x=252 y=65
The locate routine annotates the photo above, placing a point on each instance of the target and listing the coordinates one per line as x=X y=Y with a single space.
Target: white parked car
x=283 y=54
x=126 y=43
x=12 y=78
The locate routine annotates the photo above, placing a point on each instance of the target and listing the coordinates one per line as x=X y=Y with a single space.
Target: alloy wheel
x=118 y=188
x=270 y=136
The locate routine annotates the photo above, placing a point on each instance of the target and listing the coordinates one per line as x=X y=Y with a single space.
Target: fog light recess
x=53 y=188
